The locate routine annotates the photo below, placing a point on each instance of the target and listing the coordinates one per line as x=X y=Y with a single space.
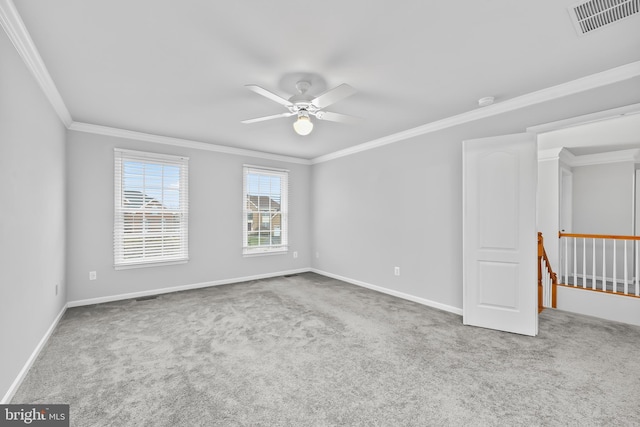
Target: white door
x=500 y=274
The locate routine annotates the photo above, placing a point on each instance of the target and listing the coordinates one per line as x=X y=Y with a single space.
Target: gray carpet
x=312 y=351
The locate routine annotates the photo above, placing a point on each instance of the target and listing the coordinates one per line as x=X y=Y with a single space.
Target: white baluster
x=584 y=263
x=615 y=268
x=547 y=279
x=637 y=266
x=560 y=271
x=604 y=264
x=548 y=286
x=566 y=261
x=544 y=283
x=575 y=261
x=593 y=278
x=550 y=289
x=626 y=274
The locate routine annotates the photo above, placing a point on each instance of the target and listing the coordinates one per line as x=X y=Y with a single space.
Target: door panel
x=498 y=192
x=492 y=289
x=499 y=233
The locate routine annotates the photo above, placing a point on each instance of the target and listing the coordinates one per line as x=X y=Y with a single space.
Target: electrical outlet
x=396 y=271
x=56 y=289
x=93 y=275
x=295 y=254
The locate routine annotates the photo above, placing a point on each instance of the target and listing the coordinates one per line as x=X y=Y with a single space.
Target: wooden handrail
x=604 y=242
x=540 y=292
x=542 y=255
x=598 y=236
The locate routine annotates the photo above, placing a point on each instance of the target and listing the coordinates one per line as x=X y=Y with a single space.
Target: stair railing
x=547 y=279
x=598 y=262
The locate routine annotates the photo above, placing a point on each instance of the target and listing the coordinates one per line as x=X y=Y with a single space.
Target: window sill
x=265 y=253
x=149 y=264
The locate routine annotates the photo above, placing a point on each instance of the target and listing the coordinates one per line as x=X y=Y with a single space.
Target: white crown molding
x=557 y=153
x=632 y=155
x=549 y=154
x=593 y=81
x=140 y=136
x=570 y=159
x=19 y=36
x=566 y=157
x=599 y=116
x=604 y=78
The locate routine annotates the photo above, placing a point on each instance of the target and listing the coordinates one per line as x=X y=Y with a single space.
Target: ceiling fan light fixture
x=303 y=125
x=304 y=105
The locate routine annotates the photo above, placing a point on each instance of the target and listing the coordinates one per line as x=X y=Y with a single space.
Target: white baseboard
x=140 y=294
x=14 y=387
x=423 y=301
x=25 y=369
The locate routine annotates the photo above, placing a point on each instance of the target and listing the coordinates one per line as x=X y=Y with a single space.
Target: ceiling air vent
x=593 y=14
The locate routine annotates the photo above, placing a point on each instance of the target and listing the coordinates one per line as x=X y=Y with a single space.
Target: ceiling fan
x=303 y=105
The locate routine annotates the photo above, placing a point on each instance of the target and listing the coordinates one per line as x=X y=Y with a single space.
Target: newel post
x=540 y=253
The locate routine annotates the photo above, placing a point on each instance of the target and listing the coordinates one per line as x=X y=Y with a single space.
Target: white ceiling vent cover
x=593 y=14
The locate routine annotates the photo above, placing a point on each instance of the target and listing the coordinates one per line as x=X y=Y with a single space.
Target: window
x=151 y=208
x=265 y=194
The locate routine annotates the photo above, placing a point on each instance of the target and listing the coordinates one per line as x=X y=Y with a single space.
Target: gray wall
x=215 y=220
x=548 y=206
x=398 y=205
x=603 y=204
x=32 y=216
x=401 y=204
x=603 y=198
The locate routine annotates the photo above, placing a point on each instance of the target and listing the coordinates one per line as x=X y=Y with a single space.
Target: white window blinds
x=151 y=208
x=265 y=210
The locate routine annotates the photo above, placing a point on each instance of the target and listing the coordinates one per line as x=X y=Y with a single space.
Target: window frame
x=152 y=254
x=271 y=249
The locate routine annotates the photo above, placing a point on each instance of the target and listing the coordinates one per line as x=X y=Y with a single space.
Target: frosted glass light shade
x=303 y=125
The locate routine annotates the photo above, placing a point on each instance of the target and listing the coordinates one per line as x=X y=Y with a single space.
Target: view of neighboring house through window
x=265 y=210
x=151 y=208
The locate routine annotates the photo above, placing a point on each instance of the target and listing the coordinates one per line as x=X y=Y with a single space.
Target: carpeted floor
x=312 y=351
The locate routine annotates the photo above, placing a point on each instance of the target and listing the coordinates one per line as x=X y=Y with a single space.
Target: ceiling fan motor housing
x=302 y=99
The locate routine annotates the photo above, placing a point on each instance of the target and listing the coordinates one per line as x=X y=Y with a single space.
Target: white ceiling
x=178 y=68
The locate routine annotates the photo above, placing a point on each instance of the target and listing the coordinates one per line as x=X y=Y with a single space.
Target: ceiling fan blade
x=337 y=117
x=262 y=119
x=333 y=95
x=268 y=94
